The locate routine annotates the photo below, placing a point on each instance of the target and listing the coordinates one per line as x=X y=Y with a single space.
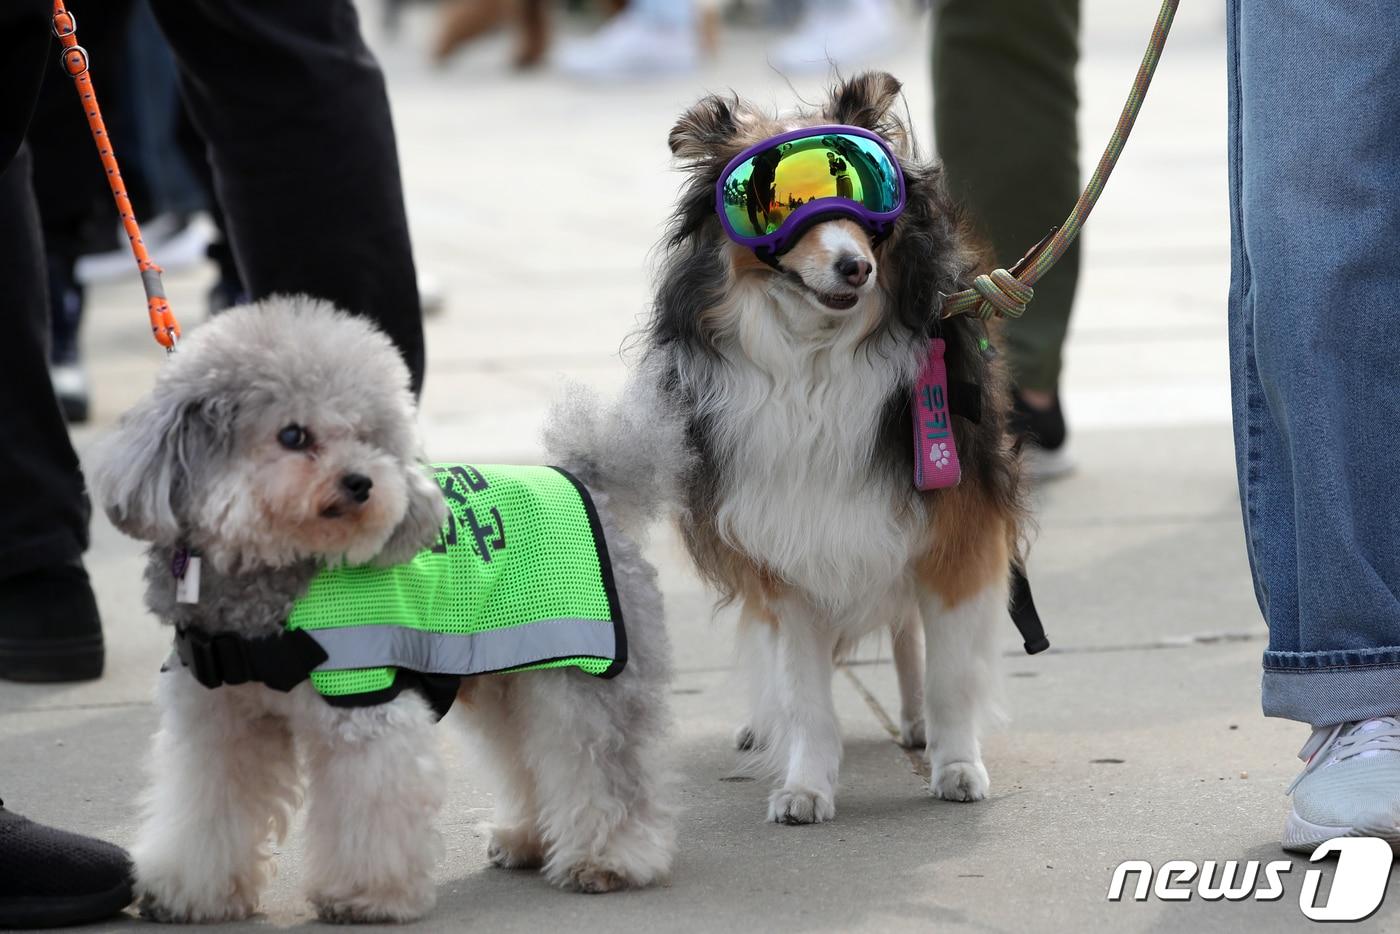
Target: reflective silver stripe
x=463 y=653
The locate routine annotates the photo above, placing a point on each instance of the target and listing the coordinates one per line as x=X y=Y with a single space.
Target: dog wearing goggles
x=797 y=299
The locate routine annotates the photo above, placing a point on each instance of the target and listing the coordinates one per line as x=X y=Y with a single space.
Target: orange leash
x=74 y=59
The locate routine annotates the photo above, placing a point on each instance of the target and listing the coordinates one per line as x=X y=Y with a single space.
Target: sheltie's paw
x=800 y=806
x=961 y=781
x=912 y=734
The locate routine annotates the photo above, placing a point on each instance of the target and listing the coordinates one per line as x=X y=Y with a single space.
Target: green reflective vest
x=518 y=579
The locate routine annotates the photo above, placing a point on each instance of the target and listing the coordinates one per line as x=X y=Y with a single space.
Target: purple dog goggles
x=769 y=194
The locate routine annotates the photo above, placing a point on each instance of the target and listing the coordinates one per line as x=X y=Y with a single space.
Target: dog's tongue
x=936 y=462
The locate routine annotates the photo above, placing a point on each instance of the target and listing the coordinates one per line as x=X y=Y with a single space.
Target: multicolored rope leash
x=1008 y=293
x=74 y=61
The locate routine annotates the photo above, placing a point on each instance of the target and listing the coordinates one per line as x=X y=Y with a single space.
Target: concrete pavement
x=1138 y=737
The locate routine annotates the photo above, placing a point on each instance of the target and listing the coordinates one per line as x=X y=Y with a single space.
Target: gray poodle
x=279 y=441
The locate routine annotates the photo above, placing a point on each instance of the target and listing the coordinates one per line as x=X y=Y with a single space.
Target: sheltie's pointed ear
x=864 y=100
x=705 y=128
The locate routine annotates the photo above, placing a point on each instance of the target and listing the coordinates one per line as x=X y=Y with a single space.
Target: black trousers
x=294 y=110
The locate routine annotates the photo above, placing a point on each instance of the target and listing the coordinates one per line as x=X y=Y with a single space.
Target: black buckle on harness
x=281 y=662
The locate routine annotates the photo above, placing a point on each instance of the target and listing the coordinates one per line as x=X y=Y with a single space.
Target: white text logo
x=1358 y=883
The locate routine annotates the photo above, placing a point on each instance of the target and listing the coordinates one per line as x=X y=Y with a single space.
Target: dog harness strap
x=281 y=662
x=965 y=400
x=1024 y=615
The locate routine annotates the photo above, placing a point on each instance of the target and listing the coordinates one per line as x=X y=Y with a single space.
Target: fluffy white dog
x=279 y=440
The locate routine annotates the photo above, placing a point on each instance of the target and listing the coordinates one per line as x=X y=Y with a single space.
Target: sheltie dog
x=793 y=389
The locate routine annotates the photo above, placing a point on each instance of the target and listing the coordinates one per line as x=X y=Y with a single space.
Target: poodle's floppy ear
x=705 y=128
x=865 y=101
x=142 y=473
x=421 y=523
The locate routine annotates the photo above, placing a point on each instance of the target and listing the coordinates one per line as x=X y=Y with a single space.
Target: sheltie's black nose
x=853 y=269
x=357 y=485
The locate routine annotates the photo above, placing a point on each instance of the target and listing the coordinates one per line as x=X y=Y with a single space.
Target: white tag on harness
x=187 y=584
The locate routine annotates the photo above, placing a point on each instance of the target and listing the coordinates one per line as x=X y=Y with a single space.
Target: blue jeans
x=1315 y=345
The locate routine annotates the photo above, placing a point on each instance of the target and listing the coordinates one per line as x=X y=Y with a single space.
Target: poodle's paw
x=383 y=906
x=960 y=781
x=744 y=738
x=167 y=901
x=912 y=734
x=593 y=879
x=800 y=806
x=515 y=847
x=173 y=890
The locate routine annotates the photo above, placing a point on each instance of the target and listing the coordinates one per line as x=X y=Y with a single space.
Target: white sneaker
x=1350 y=786
x=856 y=31
x=174 y=241
x=1044 y=464
x=631 y=46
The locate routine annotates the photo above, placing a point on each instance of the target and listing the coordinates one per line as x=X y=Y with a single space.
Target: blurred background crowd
x=1018 y=174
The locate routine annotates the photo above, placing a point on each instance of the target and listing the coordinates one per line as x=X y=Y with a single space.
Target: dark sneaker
x=1043 y=438
x=66 y=371
x=51 y=878
x=49 y=627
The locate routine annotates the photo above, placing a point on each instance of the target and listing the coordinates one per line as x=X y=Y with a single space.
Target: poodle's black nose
x=358 y=486
x=854 y=269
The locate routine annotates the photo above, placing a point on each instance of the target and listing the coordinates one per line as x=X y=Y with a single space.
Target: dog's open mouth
x=838 y=301
x=332 y=512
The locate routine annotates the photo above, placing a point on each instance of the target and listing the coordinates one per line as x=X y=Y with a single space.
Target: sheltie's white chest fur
x=796 y=414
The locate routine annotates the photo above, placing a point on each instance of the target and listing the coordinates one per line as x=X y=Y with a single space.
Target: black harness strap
x=965 y=399
x=281 y=662
x=1024 y=615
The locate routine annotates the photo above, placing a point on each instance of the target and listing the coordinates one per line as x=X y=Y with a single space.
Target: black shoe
x=49 y=627
x=65 y=362
x=50 y=877
x=1043 y=436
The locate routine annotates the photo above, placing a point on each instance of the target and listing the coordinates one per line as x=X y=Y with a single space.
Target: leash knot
x=1002 y=294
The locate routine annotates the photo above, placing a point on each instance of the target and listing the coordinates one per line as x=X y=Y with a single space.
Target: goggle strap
x=769 y=257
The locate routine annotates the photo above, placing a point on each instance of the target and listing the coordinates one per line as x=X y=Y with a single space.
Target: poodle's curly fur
x=200 y=463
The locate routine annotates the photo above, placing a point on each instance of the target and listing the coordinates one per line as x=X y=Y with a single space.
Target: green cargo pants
x=1005 y=106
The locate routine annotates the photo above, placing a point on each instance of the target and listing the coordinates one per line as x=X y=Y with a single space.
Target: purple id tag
x=935 y=452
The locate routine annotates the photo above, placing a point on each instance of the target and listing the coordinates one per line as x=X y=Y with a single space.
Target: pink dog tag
x=935 y=452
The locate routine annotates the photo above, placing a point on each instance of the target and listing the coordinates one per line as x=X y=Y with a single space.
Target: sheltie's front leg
x=803 y=725
x=960 y=687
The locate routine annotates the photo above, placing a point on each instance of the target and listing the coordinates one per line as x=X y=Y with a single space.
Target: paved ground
x=1138 y=736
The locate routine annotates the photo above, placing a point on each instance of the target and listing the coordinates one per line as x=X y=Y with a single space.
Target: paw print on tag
x=939 y=455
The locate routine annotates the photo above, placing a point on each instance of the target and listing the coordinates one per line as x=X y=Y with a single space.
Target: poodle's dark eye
x=294 y=438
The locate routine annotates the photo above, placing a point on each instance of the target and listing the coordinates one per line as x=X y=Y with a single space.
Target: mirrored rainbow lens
x=767 y=187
